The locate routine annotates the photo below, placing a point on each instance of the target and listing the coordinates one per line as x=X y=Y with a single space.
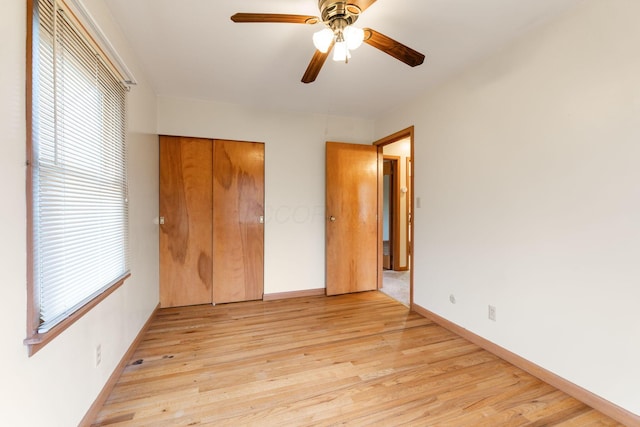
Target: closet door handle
x=332 y=218
x=261 y=219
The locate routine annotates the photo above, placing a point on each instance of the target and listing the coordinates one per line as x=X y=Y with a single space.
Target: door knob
x=332 y=218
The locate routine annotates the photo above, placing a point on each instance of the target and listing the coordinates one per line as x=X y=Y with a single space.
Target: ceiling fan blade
x=317 y=61
x=275 y=17
x=393 y=48
x=362 y=4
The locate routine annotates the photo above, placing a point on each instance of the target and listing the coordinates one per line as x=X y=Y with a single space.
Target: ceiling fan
x=339 y=34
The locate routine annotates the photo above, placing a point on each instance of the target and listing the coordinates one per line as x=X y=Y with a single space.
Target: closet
x=211 y=221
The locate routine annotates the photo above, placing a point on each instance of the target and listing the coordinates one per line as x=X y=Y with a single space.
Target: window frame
x=36 y=340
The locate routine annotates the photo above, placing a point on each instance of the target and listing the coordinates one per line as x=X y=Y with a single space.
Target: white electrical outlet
x=492 y=313
x=98 y=354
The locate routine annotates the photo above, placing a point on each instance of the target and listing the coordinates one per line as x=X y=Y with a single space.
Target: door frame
x=407 y=133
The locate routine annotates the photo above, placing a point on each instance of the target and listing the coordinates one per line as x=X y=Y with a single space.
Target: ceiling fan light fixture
x=341 y=52
x=338 y=16
x=354 y=37
x=322 y=39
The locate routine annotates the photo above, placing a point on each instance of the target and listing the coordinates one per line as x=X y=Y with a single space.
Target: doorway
x=396 y=189
x=354 y=209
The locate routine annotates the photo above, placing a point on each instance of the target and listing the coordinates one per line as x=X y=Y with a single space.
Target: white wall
x=294 y=176
x=527 y=167
x=57 y=385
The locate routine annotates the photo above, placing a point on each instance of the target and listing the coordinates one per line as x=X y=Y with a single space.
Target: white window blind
x=79 y=186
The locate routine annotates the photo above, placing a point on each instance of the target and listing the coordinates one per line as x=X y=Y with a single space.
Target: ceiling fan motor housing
x=332 y=10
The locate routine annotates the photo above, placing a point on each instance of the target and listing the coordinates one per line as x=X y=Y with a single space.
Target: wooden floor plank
x=359 y=359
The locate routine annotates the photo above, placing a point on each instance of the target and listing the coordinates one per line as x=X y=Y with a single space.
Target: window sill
x=37 y=341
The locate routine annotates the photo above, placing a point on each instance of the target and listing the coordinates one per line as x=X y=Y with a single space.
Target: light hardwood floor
x=359 y=359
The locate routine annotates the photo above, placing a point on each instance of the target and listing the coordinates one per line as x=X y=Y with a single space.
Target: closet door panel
x=238 y=222
x=185 y=221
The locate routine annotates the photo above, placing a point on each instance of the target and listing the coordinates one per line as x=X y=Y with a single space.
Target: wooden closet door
x=238 y=221
x=185 y=209
x=352 y=218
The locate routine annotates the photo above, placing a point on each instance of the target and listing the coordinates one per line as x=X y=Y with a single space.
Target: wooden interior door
x=185 y=221
x=352 y=218
x=238 y=221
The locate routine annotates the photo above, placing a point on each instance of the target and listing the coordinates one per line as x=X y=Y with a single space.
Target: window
x=77 y=174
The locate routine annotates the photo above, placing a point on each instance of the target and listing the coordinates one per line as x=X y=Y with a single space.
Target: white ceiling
x=191 y=49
